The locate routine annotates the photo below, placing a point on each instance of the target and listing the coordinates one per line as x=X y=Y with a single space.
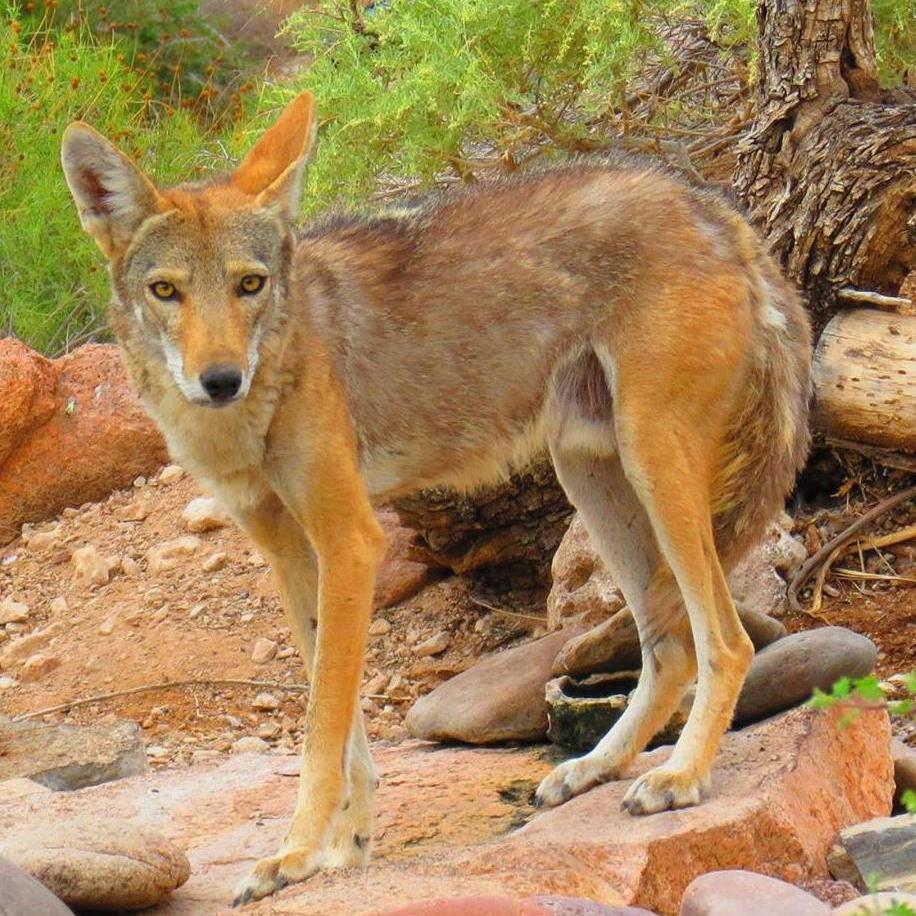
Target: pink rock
x=729 y=893
x=446 y=821
x=398 y=578
x=71 y=431
x=510 y=906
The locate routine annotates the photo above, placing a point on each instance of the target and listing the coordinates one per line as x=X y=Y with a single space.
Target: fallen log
x=865 y=383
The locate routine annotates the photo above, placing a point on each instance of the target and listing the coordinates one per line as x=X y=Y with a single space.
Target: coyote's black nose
x=222 y=383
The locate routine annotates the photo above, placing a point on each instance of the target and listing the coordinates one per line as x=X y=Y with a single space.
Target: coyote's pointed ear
x=113 y=197
x=272 y=171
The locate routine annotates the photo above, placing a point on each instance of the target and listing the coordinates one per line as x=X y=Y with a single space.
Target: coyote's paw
x=572 y=778
x=275 y=872
x=661 y=789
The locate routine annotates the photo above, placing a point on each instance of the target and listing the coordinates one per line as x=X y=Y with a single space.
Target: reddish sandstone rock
x=71 y=431
x=398 y=578
x=448 y=821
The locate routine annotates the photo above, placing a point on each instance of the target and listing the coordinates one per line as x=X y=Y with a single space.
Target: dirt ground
x=186 y=623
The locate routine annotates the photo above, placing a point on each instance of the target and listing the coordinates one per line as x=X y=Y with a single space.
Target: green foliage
x=895 y=39
x=409 y=88
x=181 y=53
x=53 y=279
x=415 y=88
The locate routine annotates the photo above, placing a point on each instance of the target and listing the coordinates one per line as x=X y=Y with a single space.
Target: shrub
x=54 y=284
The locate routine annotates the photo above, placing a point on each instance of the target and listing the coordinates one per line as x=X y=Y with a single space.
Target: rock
x=785 y=673
x=6 y=682
x=581 y=713
x=499 y=699
x=729 y=893
x=65 y=757
x=581 y=587
x=264 y=650
x=13 y=611
x=613 y=645
x=204 y=514
x=876 y=904
x=89 y=568
x=882 y=848
x=492 y=905
x=59 y=605
x=99 y=863
x=435 y=645
x=37 y=666
x=73 y=431
x=265 y=701
x=24 y=896
x=215 y=562
x=379 y=627
x=170 y=554
x=399 y=577
x=20 y=649
x=449 y=821
x=171 y=473
x=250 y=744
x=42 y=540
x=106 y=627
x=904 y=768
x=758 y=582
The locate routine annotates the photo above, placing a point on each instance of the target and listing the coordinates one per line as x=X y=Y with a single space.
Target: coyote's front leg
x=348 y=544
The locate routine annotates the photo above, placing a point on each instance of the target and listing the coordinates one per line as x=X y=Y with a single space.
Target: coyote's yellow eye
x=251 y=284
x=164 y=290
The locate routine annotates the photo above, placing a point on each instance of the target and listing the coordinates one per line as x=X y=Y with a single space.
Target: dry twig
x=829 y=552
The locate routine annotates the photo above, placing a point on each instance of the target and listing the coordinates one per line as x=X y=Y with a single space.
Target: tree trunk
x=828 y=170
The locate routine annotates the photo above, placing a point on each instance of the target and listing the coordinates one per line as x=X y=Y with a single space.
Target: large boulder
x=583 y=590
x=66 y=757
x=500 y=699
x=882 y=850
x=105 y=864
x=728 y=893
x=71 y=431
x=459 y=821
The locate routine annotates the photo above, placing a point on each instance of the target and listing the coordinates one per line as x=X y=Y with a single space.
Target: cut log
x=865 y=381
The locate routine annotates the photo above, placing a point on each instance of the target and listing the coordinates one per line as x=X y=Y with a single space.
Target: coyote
x=632 y=325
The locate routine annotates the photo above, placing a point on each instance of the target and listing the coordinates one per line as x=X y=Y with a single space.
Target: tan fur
x=632 y=325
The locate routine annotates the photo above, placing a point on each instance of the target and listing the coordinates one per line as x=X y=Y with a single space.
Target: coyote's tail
x=767 y=438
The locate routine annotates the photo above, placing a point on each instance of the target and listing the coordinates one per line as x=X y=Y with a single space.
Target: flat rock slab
x=450 y=821
x=884 y=847
x=65 y=757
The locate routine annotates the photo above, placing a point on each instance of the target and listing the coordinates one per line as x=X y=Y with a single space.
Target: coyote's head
x=199 y=269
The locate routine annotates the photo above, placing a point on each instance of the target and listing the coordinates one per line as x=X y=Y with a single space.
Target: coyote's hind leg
x=620 y=532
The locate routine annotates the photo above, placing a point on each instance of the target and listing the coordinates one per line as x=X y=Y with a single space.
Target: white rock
x=379 y=627
x=42 y=540
x=170 y=554
x=106 y=627
x=265 y=701
x=204 y=514
x=130 y=567
x=20 y=649
x=264 y=650
x=13 y=611
x=59 y=605
x=250 y=744
x=7 y=682
x=171 y=473
x=89 y=567
x=38 y=666
x=435 y=645
x=215 y=561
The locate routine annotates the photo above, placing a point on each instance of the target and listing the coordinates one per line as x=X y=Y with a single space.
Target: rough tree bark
x=828 y=170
